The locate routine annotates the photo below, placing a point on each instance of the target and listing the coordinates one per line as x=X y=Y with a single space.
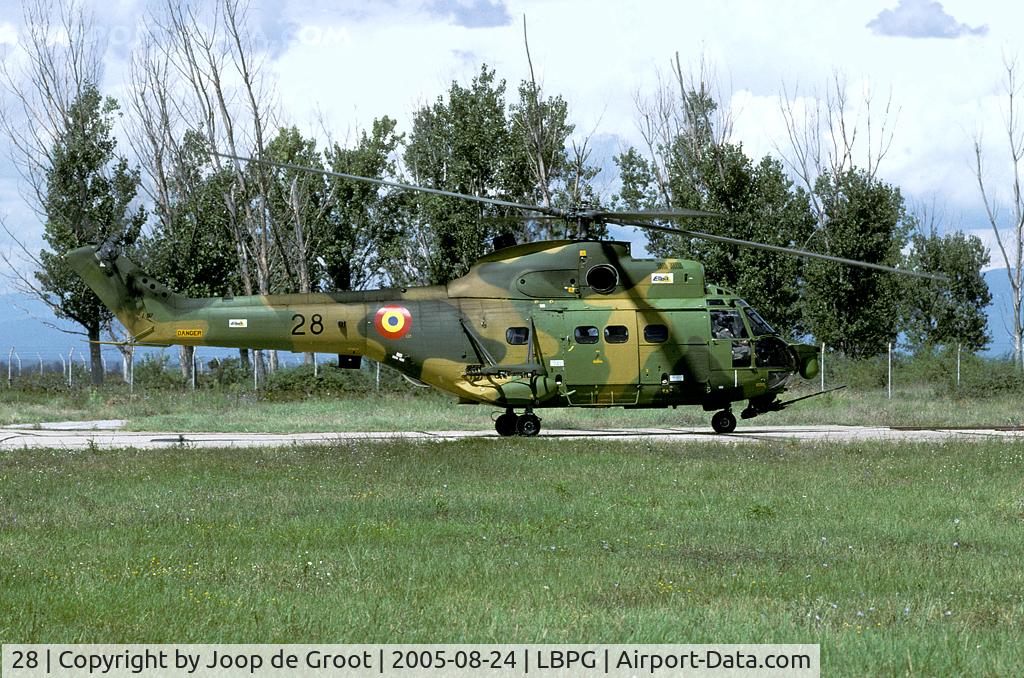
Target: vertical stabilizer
x=116 y=281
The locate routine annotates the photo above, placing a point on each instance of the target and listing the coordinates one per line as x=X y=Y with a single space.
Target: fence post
x=131 y=371
x=256 y=357
x=63 y=365
x=958 y=365
x=822 y=366
x=10 y=360
x=71 y=364
x=316 y=366
x=378 y=376
x=40 y=355
x=889 y=381
x=193 y=369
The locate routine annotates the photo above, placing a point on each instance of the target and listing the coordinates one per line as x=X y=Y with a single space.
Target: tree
x=828 y=133
x=1008 y=225
x=89 y=195
x=298 y=204
x=190 y=246
x=691 y=164
x=947 y=312
x=365 y=237
x=541 y=131
x=219 y=91
x=836 y=144
x=63 y=57
x=54 y=96
x=857 y=310
x=463 y=144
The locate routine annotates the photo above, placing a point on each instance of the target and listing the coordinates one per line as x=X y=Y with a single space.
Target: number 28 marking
x=316 y=323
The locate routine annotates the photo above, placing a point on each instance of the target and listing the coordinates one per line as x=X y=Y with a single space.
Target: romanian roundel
x=393 y=322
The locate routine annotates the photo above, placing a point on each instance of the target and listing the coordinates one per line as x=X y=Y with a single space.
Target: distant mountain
x=29 y=327
x=1000 y=313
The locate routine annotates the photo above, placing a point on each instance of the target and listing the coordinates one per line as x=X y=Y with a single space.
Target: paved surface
x=93 y=425
x=105 y=434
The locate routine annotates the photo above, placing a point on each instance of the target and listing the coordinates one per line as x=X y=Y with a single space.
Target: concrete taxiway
x=107 y=434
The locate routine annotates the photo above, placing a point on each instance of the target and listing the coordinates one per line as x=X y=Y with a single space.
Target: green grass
x=241 y=410
x=896 y=559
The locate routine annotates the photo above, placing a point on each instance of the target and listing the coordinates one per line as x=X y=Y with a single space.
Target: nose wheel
x=509 y=424
x=724 y=422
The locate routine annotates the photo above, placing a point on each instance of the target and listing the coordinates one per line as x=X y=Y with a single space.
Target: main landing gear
x=527 y=424
x=724 y=422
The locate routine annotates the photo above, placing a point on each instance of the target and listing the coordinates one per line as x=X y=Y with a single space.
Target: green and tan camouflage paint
x=453 y=337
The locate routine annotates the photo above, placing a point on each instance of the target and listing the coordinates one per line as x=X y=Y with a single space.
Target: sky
x=345 y=62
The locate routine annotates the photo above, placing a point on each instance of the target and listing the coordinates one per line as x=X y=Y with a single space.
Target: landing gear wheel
x=505 y=425
x=528 y=425
x=724 y=422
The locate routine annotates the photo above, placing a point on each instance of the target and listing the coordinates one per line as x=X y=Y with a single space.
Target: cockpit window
x=727 y=325
x=758 y=324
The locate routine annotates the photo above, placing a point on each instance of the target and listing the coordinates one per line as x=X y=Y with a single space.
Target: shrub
x=154 y=371
x=300 y=382
x=863 y=373
x=987 y=379
x=225 y=372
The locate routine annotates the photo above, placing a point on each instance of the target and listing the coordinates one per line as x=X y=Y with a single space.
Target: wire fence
x=27 y=368
x=949 y=370
x=952 y=369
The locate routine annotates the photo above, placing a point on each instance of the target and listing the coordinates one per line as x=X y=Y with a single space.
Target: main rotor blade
x=524 y=217
x=395 y=184
x=784 y=250
x=652 y=214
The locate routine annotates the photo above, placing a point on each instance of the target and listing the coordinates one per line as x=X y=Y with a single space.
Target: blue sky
x=348 y=62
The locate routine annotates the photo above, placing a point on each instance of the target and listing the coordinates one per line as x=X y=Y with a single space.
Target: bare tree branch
x=1010 y=241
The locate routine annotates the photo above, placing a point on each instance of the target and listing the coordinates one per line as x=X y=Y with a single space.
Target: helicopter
x=558 y=323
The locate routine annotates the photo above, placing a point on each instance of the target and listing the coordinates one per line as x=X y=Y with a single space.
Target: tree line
x=209 y=225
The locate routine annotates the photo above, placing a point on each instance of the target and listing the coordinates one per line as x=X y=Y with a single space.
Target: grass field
x=896 y=559
x=205 y=410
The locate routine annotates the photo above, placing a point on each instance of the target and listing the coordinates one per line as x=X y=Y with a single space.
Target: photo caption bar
x=392 y=660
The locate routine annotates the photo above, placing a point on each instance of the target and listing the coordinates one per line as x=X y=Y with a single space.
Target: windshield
x=758 y=324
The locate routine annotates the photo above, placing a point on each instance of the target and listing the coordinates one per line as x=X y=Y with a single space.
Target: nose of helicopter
x=806 y=360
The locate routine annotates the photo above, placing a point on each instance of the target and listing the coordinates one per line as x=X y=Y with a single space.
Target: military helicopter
x=562 y=323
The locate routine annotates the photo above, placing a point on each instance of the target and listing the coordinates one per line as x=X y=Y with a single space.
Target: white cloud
x=472 y=13
x=8 y=33
x=921 y=19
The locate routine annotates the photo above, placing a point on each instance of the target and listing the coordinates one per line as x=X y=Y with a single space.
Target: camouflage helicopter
x=563 y=323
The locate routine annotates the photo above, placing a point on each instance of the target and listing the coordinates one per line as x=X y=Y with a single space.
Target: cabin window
x=586 y=334
x=517 y=336
x=655 y=334
x=616 y=334
x=727 y=325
